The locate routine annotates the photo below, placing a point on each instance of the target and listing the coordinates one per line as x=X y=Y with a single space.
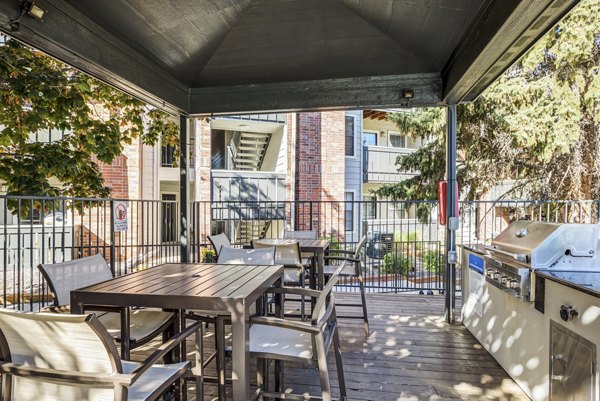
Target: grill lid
x=522 y=237
x=541 y=244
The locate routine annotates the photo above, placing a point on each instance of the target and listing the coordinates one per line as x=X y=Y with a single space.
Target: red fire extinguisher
x=442 y=186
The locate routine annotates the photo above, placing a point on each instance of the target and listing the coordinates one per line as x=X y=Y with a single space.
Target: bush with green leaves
x=395 y=263
x=432 y=261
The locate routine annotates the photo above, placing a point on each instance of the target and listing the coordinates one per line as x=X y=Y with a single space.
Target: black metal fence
x=404 y=250
x=405 y=242
x=131 y=234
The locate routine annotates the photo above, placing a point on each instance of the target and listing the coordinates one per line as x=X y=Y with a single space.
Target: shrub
x=432 y=261
x=208 y=256
x=395 y=263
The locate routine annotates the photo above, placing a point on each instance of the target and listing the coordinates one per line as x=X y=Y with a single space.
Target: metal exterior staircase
x=250 y=150
x=248 y=230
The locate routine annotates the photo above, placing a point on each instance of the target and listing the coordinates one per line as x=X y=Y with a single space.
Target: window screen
x=370 y=138
x=349 y=136
x=349 y=211
x=398 y=141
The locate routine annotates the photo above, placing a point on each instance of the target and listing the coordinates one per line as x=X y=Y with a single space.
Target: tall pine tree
x=539 y=124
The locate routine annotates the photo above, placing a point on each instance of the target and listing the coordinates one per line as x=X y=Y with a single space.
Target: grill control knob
x=514 y=284
x=504 y=279
x=496 y=275
x=489 y=271
x=567 y=313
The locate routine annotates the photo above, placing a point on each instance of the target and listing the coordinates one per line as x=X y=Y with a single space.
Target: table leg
x=321 y=266
x=125 y=334
x=182 y=325
x=76 y=306
x=240 y=330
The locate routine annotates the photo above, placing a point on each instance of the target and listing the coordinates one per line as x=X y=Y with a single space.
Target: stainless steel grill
x=527 y=246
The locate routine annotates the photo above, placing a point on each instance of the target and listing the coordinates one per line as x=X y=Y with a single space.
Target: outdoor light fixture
x=36 y=12
x=29 y=8
x=408 y=93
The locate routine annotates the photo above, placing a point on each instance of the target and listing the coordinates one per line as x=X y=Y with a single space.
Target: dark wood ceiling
x=225 y=56
x=379 y=115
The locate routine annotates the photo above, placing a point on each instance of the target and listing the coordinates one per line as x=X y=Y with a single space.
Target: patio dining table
x=318 y=247
x=180 y=287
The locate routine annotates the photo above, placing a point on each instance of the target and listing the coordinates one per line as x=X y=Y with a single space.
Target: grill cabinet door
x=572 y=366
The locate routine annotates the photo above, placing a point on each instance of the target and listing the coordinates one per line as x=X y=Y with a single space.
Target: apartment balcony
x=379 y=164
x=168 y=170
x=247 y=195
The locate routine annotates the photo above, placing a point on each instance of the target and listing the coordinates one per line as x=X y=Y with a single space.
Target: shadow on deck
x=411 y=355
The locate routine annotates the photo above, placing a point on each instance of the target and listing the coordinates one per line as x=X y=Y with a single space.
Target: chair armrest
x=74 y=378
x=294 y=291
x=344 y=258
x=164 y=349
x=340 y=251
x=286 y=324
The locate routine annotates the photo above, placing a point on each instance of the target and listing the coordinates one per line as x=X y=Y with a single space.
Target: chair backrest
x=77 y=273
x=300 y=234
x=360 y=246
x=326 y=296
x=287 y=254
x=218 y=241
x=233 y=256
x=64 y=342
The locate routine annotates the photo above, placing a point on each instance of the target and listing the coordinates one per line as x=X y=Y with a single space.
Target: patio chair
x=228 y=255
x=63 y=357
x=288 y=234
x=218 y=241
x=274 y=338
x=351 y=262
x=308 y=259
x=289 y=256
x=294 y=270
x=62 y=278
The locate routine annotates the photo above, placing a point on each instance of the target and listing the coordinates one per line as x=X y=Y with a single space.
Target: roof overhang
x=238 y=56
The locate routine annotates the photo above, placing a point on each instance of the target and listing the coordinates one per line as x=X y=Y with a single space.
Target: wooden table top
x=305 y=244
x=183 y=286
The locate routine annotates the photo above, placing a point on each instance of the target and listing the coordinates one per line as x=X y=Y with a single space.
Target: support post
x=451 y=203
x=183 y=190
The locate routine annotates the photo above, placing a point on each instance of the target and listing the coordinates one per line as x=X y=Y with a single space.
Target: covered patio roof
x=233 y=56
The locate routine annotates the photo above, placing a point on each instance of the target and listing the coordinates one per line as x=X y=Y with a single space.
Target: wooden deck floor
x=411 y=355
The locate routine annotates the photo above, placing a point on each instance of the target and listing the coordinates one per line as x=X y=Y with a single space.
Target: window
x=397 y=141
x=370 y=207
x=349 y=136
x=370 y=138
x=349 y=211
x=167 y=156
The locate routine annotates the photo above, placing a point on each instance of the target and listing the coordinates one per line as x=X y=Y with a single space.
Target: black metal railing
x=405 y=243
x=404 y=251
x=130 y=234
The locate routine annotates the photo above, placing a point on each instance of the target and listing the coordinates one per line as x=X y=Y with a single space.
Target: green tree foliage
x=538 y=124
x=39 y=93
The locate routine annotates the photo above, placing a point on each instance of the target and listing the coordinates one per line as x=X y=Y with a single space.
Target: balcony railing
x=247 y=186
x=379 y=164
x=404 y=250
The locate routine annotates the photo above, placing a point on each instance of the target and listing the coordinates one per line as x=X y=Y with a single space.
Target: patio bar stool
x=64 y=357
x=218 y=241
x=273 y=338
x=308 y=259
x=351 y=262
x=64 y=277
x=294 y=272
x=234 y=256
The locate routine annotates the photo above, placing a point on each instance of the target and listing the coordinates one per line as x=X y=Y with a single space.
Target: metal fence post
x=451 y=202
x=112 y=238
x=183 y=190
